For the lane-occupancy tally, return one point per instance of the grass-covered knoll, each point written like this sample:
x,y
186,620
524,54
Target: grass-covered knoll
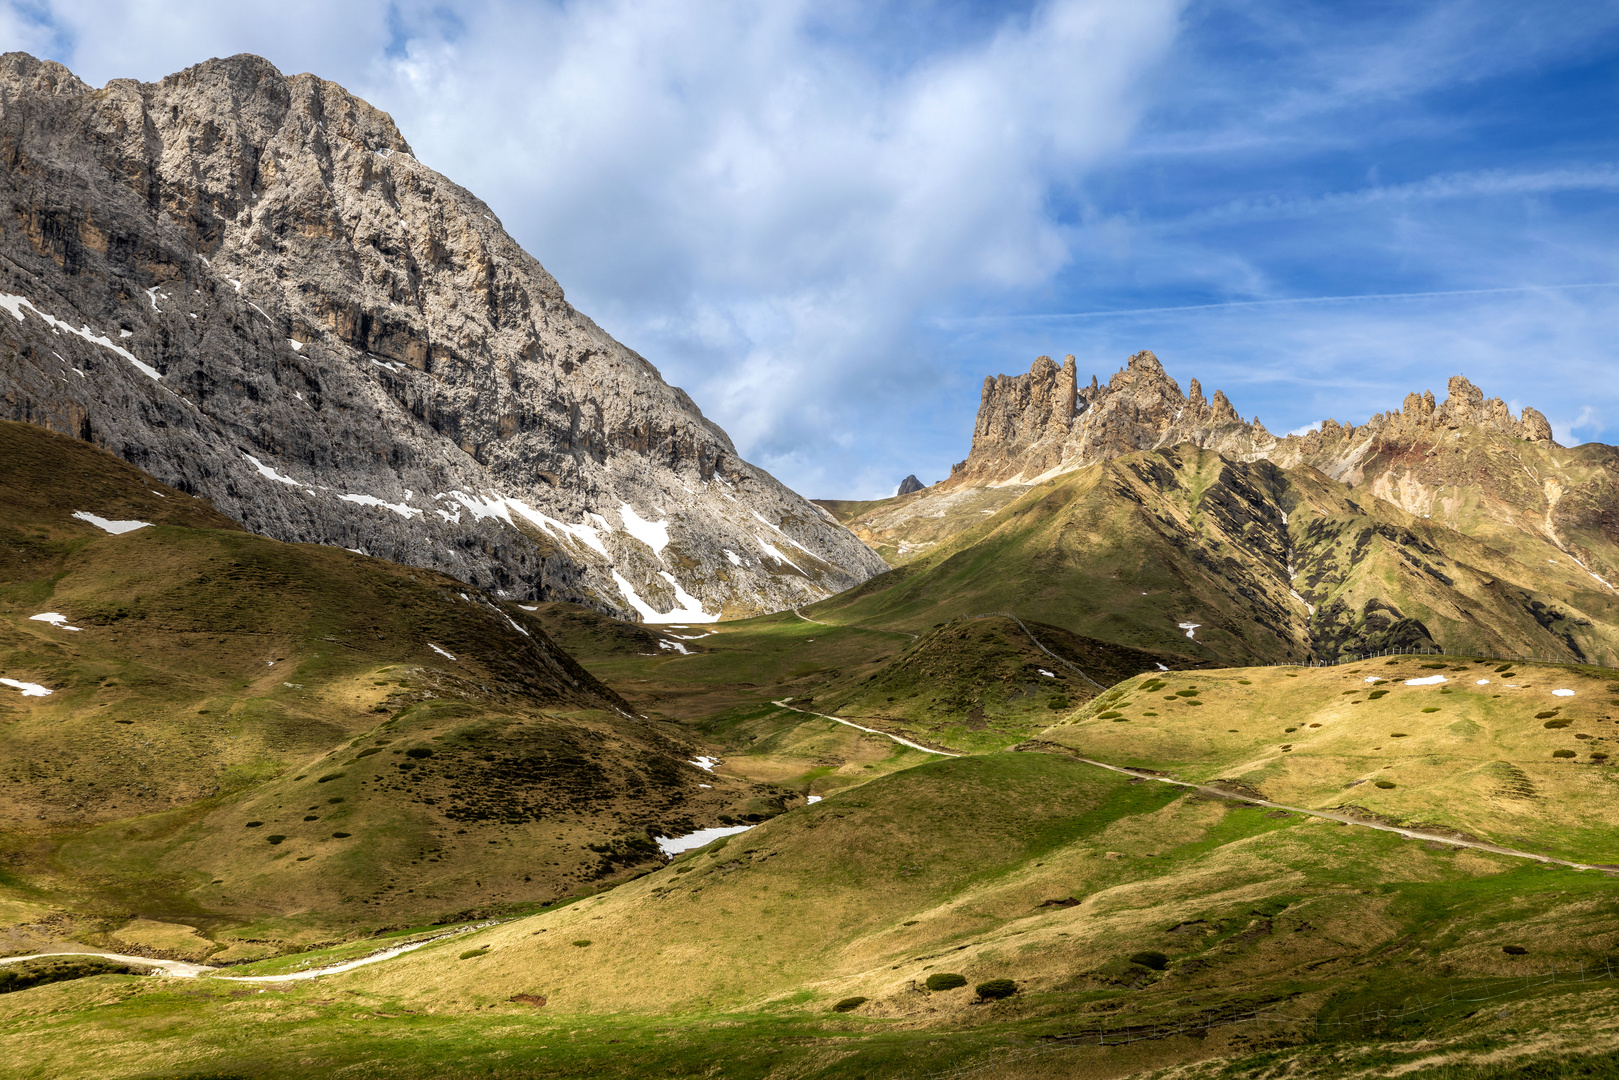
x,y
248,743
978,684
1269,564
1479,752
1108,903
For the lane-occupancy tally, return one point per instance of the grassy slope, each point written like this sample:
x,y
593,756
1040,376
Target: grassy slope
x,y
1126,550
219,678
1479,758
732,955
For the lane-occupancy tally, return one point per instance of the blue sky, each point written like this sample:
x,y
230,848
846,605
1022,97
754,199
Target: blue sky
x,y
830,221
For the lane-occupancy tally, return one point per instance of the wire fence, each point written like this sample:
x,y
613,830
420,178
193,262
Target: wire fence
x,y
1366,1019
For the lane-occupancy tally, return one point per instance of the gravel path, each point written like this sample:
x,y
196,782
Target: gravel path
x,y
886,734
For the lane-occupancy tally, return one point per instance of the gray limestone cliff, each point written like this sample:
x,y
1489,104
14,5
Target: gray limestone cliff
x,y
244,283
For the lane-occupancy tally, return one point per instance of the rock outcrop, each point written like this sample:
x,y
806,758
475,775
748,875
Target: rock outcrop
x,y
245,284
909,485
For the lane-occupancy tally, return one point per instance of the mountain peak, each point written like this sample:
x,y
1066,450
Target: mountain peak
x,y
1035,425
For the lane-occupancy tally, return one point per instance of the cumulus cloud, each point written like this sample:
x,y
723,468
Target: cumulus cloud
x,y
762,198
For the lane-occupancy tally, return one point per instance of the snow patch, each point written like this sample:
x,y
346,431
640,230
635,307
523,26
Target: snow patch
x,y
14,304
1431,680
1562,693
55,618
269,473
1190,628
736,560
691,609
654,534
117,528
675,646
674,845
1047,674
519,629
1162,667
297,346
404,511
1482,682
588,535
29,689
813,799
775,553
705,762
525,607
784,536
442,652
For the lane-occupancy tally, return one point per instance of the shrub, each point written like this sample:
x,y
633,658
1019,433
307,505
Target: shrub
x,y
1058,702
1514,950
1547,714
1504,667
340,836
277,838
1109,715
329,777
1599,756
1245,682
1187,693
1439,667
1193,701
1399,735
946,980
849,1004
1375,694
996,989
470,953
1431,708
1155,960
419,752
1385,784
254,824
1562,753
1289,730
683,869
582,943
1556,724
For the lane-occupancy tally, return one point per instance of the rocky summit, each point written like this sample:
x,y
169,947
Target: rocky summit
x,y
246,284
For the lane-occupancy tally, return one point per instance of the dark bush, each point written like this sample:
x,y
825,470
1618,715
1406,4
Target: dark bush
x,y
419,752
996,989
1554,725
1193,701
1385,783
946,980
470,953
1398,735
1109,715
1562,753
582,943
1375,694
849,1004
1514,950
1431,708
277,838
340,836
1155,960
1546,714
254,824
1599,756
328,777
1058,702
1187,693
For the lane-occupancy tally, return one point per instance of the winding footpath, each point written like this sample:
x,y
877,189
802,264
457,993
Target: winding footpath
x,y
852,626
1333,815
858,727
180,969
1222,793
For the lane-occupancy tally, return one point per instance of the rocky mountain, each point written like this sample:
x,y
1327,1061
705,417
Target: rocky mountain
x,y
908,485
246,284
1133,512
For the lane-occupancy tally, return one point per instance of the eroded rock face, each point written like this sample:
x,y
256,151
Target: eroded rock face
x,y
245,284
1031,425
908,485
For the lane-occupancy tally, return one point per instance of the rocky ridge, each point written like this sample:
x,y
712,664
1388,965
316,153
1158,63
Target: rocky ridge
x,y
246,284
1036,425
